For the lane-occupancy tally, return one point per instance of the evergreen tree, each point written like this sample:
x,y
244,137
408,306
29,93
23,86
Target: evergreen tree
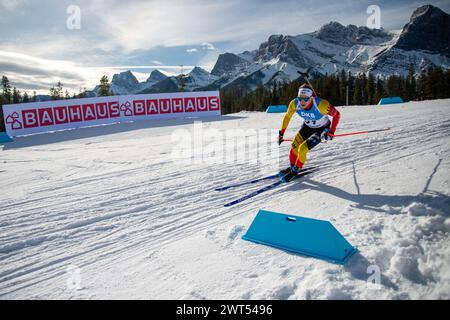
x,y
439,84
370,89
351,86
357,91
82,93
379,90
16,96
25,98
410,91
6,91
275,94
446,87
433,83
104,87
420,91
343,87
337,97
430,85
392,86
364,93
56,93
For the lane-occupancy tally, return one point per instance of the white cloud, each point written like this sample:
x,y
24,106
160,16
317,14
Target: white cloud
x,y
139,67
208,61
140,76
143,25
11,4
171,23
112,29
32,73
28,72
55,46
134,25
208,46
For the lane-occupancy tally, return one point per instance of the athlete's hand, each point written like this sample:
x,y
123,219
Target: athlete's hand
x,y
280,137
326,135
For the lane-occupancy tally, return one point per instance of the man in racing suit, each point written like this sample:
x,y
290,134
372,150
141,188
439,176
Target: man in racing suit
x,y
320,123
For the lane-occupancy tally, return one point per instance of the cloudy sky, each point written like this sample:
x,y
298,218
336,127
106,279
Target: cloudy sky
x,y
43,41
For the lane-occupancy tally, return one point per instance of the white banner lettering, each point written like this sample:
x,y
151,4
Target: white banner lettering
x,y
37,117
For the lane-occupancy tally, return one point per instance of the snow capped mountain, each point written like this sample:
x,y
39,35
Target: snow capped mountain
x,y
198,77
336,33
169,84
124,83
282,48
156,76
229,63
427,25
423,42
279,58
121,84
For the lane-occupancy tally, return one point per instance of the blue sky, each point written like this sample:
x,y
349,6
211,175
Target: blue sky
x,y
37,49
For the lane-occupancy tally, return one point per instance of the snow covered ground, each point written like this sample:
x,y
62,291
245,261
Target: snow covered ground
x,y
106,212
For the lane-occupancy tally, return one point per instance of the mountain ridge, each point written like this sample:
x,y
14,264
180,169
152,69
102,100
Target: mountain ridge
x,y
423,42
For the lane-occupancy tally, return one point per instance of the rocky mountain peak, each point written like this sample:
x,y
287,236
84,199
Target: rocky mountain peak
x,y
228,62
126,77
197,71
156,76
336,33
428,29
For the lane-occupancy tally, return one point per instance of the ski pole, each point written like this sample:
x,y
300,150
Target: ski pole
x,y
350,133
358,132
306,75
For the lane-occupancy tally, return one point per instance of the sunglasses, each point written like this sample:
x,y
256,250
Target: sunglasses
x,y
304,99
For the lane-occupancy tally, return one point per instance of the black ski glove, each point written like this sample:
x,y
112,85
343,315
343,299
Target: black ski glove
x,y
280,137
326,135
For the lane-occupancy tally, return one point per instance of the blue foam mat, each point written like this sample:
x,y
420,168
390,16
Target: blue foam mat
x,y
276,109
390,100
4,137
305,236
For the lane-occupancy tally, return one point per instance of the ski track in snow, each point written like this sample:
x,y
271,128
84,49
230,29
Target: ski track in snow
x,y
140,225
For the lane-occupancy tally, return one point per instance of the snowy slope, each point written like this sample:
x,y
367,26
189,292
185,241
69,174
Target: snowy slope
x,y
105,212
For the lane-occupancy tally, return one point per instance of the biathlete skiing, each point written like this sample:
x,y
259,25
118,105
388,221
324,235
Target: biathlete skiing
x,y
320,120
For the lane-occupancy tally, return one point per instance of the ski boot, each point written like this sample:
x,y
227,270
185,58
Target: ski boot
x,y
291,174
283,172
